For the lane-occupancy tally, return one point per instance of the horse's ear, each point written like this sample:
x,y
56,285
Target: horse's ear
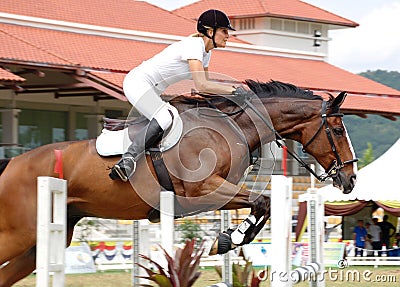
x,y
338,101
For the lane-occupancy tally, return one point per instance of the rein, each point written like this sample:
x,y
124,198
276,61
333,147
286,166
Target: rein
x,y
336,165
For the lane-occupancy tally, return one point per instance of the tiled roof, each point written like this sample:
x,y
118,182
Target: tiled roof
x,y
372,104
44,47
312,74
292,9
124,14
114,57
7,76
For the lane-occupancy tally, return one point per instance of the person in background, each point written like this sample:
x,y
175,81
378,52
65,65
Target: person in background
x,y
388,230
368,245
359,237
375,232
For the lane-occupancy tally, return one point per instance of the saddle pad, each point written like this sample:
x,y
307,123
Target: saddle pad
x,y
111,143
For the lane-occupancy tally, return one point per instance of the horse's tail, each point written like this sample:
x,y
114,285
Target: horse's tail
x,y
3,164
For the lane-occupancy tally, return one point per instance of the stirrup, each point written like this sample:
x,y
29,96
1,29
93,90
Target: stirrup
x,y
122,172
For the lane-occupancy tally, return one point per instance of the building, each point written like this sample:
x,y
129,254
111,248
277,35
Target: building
x,y
62,63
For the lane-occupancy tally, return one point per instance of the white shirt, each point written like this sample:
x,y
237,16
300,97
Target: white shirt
x,y
171,65
374,231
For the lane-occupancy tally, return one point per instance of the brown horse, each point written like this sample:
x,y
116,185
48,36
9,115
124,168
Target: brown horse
x,y
205,167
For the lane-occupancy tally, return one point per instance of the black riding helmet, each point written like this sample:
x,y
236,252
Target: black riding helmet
x,y
213,19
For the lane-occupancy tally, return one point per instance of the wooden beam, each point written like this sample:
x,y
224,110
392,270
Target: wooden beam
x,y
109,91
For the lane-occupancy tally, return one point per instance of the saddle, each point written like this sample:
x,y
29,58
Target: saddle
x,y
117,136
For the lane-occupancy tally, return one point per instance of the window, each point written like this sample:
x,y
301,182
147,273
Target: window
x,y
290,26
302,28
247,23
276,24
37,128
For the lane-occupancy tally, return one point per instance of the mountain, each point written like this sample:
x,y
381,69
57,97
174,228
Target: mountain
x,y
379,131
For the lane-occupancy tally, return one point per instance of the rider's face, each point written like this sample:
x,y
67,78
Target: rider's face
x,y
221,37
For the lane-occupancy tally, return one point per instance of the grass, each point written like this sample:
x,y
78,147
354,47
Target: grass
x,y
209,277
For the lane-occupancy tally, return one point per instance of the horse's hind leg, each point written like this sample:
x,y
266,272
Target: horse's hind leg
x,y
18,268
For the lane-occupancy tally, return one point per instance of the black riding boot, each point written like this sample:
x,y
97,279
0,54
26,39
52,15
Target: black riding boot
x,y
146,137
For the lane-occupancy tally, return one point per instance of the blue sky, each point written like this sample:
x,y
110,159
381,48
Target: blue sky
x,y
375,44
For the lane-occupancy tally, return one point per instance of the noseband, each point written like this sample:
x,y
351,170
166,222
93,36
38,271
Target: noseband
x,y
336,165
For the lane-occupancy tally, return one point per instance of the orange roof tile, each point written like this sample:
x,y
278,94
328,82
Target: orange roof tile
x,y
372,104
44,46
293,9
17,45
8,76
311,74
124,14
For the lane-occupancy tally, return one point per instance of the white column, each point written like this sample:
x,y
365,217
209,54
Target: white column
x,y
94,125
9,119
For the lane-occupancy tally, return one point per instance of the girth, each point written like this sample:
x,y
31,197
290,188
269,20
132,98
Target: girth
x,y
164,179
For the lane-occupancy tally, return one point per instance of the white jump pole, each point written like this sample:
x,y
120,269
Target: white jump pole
x,y
315,212
281,235
227,275
135,254
51,230
167,214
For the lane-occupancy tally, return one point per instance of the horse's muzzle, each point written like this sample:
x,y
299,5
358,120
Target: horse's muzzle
x,y
344,182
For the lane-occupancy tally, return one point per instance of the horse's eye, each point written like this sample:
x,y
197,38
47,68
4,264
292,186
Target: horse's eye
x,y
338,131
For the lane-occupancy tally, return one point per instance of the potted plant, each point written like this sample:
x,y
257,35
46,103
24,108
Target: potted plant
x,y
181,271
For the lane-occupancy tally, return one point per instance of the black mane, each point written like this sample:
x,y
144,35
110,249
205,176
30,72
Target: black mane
x,y
279,89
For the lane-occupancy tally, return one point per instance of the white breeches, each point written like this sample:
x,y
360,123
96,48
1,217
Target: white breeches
x,y
145,97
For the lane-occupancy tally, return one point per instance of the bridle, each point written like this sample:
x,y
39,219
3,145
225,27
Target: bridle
x,y
336,165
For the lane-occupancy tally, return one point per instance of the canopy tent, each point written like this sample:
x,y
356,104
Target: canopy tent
x,y
377,183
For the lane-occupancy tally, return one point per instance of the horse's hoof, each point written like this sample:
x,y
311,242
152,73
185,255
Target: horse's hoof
x,y
221,245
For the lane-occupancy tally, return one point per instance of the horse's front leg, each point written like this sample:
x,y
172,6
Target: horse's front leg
x,y
236,197
246,231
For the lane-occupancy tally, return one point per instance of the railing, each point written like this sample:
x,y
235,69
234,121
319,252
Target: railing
x,y
375,261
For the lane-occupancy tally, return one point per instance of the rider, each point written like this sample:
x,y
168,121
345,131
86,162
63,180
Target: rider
x,y
186,59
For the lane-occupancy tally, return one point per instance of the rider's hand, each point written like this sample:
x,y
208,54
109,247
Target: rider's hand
x,y
241,95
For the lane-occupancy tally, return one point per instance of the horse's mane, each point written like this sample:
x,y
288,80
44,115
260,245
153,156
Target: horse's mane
x,y
279,89
263,90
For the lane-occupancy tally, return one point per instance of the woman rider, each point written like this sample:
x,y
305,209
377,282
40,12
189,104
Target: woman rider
x,y
186,59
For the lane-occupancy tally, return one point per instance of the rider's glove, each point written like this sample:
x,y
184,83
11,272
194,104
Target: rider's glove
x,y
241,95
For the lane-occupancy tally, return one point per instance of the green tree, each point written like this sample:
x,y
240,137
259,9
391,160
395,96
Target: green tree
x,y
388,78
368,156
190,230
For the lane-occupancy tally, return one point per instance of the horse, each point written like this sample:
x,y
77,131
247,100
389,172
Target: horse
x,y
205,168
